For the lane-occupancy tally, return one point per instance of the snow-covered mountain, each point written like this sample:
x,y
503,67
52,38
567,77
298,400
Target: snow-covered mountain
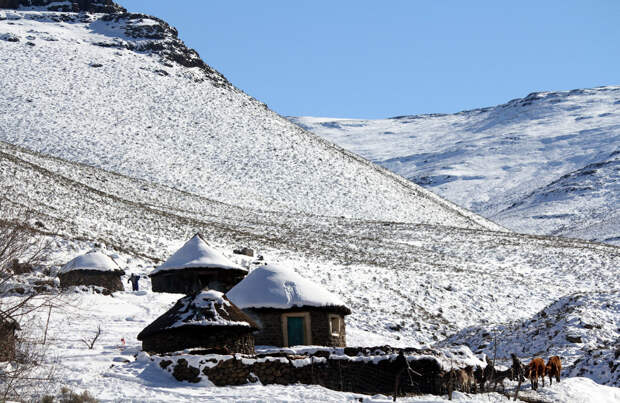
x,y
114,135
543,164
121,92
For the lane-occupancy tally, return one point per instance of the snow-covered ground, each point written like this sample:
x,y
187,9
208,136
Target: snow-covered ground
x,y
89,89
113,371
198,155
544,164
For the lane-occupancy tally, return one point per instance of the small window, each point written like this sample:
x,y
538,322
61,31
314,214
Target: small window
x,y
334,325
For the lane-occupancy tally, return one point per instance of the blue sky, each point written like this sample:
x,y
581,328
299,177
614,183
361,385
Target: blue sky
x,y
375,59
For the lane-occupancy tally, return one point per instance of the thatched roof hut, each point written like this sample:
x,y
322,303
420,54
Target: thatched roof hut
x,y
207,320
195,267
8,339
291,310
92,268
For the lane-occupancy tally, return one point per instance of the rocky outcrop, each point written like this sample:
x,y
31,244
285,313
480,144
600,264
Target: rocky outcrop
x,y
156,37
91,6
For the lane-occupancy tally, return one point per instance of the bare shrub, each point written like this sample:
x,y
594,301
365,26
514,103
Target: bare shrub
x,y
90,343
22,353
69,396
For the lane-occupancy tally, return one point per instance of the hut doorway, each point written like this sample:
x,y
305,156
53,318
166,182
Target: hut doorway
x,y
296,329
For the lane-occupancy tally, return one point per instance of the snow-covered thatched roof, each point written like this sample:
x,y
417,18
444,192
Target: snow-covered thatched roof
x,y
197,253
281,288
208,309
91,261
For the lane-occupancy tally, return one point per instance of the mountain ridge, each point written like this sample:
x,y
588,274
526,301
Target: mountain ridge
x,y
489,159
163,122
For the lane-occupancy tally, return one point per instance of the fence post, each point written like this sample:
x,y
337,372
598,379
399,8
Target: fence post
x,y
49,313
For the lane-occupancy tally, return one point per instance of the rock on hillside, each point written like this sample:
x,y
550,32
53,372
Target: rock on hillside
x,y
122,92
94,6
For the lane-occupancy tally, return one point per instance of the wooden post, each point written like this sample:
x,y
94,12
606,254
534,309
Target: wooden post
x,y
518,388
49,313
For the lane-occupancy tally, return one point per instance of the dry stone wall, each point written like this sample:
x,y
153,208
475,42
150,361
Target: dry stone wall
x,y
359,373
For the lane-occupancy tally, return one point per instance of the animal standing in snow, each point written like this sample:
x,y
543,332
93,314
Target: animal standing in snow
x,y
536,369
553,368
499,377
460,379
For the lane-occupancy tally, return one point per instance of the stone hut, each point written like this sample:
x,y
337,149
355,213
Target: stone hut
x,y
290,309
195,267
207,320
93,268
8,338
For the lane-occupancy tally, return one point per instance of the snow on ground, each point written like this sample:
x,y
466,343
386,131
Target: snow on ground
x,y
255,180
541,164
583,329
71,88
410,284
111,372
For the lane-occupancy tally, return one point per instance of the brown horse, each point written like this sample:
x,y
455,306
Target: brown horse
x,y
536,369
553,368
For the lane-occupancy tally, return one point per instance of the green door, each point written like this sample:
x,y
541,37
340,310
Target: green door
x,y
295,330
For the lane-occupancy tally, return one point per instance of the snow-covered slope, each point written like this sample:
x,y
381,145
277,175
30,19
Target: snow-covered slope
x,y
583,329
405,283
121,92
413,268
581,204
543,164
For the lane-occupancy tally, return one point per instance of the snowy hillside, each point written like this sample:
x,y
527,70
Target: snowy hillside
x,y
115,137
121,92
407,284
583,329
544,164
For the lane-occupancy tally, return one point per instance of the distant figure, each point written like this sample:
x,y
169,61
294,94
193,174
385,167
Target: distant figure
x,y
134,278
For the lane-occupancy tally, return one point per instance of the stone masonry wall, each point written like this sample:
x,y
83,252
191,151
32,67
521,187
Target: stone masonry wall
x,y
367,375
7,342
109,280
270,322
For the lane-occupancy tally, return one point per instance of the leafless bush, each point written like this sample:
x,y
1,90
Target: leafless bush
x,y
24,374
90,343
69,396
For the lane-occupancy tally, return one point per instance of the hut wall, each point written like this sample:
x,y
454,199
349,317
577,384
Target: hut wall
x,y
109,280
271,333
7,341
190,281
210,338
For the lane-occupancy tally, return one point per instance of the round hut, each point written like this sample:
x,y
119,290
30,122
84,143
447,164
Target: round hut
x,y
195,267
291,310
8,339
207,320
93,268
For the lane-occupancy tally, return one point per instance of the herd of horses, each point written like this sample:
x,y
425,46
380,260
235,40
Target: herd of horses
x,y
469,379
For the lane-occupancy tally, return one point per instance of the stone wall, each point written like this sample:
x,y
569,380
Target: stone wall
x,y
108,280
7,341
270,321
359,374
190,281
217,342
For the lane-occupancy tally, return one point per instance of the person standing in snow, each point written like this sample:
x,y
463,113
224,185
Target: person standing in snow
x,y
134,278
